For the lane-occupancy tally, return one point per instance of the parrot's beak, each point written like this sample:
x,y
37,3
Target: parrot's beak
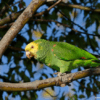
x,y
28,54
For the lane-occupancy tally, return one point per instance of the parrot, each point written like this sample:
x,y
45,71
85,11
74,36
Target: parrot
x,y
60,56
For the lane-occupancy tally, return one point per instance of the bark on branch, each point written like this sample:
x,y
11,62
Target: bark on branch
x,y
9,18
39,84
75,6
15,15
18,25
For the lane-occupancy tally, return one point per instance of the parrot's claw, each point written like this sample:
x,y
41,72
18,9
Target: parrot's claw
x,y
59,74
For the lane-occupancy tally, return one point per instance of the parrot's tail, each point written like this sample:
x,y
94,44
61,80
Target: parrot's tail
x,y
91,63
97,61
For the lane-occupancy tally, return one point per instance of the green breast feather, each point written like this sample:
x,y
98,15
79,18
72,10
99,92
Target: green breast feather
x,y
63,56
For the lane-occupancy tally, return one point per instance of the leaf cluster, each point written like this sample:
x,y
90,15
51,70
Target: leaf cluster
x,y
72,25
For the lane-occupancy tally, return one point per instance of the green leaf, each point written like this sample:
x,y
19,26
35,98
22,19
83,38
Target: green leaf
x,y
81,96
44,26
74,90
74,97
53,15
14,8
45,75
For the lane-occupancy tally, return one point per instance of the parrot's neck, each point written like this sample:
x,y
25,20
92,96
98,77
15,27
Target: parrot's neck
x,y
43,49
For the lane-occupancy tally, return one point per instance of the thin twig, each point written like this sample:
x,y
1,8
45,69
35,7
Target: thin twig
x,y
75,6
72,21
82,7
5,26
89,89
15,48
48,8
49,20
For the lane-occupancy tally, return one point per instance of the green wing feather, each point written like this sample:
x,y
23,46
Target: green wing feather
x,y
66,51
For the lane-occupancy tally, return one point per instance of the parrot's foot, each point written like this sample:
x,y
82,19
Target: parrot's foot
x,y
59,74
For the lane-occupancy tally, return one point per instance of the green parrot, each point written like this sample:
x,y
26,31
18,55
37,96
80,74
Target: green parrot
x,y
61,56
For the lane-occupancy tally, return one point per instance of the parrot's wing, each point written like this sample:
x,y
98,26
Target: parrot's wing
x,y
66,51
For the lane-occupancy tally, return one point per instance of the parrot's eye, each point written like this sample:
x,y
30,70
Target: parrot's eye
x,y
32,47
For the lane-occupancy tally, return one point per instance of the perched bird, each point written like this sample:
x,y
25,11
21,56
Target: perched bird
x,y
60,55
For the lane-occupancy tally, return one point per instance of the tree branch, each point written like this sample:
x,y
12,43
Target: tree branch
x,y
72,21
49,20
18,25
14,16
10,18
82,7
39,84
5,26
15,48
50,3
39,14
75,6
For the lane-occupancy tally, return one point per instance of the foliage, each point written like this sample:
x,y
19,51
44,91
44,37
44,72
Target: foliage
x,y
15,67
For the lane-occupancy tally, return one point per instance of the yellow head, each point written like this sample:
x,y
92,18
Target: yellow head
x,y
31,50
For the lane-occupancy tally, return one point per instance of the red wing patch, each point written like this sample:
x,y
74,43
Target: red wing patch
x,y
49,64
54,45
52,50
83,58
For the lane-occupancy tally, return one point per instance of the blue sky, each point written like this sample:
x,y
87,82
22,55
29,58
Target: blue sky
x,y
66,89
